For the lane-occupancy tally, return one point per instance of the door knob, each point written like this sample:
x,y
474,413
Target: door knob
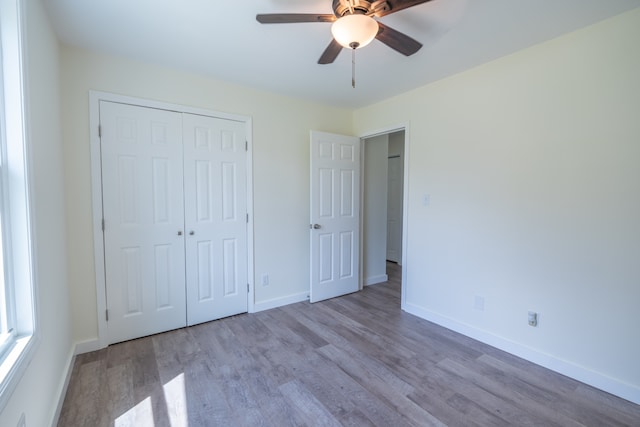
x,y
316,226
191,233
180,233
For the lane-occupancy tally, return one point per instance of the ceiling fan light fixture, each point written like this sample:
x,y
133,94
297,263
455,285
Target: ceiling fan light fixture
x,y
354,31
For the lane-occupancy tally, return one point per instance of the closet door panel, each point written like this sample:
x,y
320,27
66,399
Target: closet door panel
x,y
142,189
215,217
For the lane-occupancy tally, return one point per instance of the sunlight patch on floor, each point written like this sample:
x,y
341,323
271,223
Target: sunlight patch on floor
x,y
139,415
176,397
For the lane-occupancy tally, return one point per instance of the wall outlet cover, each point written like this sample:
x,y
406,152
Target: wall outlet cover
x,y
533,318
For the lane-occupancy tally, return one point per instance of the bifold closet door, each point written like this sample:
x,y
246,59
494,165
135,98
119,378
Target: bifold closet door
x,y
215,162
143,211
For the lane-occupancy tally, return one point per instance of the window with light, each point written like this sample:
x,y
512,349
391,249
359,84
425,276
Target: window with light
x,y
17,301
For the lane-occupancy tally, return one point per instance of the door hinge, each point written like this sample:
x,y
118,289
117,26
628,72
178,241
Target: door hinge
x,y
99,131
246,146
102,224
106,314
247,288
247,218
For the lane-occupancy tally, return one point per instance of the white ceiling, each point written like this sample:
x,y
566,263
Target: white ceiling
x,y
223,40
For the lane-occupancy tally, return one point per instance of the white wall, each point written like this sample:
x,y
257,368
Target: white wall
x,y
531,162
374,214
280,168
39,390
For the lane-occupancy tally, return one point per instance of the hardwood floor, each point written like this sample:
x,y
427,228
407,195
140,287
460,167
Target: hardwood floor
x,y
357,360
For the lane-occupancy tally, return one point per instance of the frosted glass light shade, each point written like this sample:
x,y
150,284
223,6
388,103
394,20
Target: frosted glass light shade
x,y
350,29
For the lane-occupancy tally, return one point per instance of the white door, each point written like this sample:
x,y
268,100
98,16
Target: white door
x,y
143,213
394,209
215,162
335,215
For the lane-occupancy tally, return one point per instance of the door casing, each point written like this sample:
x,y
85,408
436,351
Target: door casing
x,y
96,198
405,199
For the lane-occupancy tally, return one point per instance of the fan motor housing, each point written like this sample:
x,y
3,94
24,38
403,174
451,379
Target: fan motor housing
x,y
365,7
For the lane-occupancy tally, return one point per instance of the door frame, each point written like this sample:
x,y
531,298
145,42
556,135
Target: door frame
x,y
405,201
96,194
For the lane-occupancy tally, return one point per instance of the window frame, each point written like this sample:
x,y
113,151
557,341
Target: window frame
x,y
7,318
15,203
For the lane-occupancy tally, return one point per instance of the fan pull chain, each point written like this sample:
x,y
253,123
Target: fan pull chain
x,y
354,46
353,68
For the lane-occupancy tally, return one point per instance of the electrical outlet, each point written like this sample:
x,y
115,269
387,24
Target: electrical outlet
x,y
533,318
265,280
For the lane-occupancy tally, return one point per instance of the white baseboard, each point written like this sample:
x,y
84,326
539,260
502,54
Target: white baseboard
x,y
77,348
618,388
62,390
87,346
279,302
375,280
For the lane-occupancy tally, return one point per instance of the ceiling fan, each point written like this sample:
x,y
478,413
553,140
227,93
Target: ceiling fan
x,y
353,25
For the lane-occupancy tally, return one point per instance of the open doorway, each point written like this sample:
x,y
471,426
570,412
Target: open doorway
x,y
382,207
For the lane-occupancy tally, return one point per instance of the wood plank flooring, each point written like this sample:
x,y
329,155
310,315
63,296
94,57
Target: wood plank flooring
x,y
357,360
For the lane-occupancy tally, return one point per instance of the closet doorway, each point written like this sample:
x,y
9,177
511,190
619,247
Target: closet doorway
x,y
174,228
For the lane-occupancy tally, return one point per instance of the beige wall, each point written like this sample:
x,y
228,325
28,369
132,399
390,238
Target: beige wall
x,y
40,387
532,165
280,167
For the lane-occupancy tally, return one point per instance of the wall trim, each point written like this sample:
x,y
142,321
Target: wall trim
x,y
580,373
62,391
279,302
87,346
374,280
